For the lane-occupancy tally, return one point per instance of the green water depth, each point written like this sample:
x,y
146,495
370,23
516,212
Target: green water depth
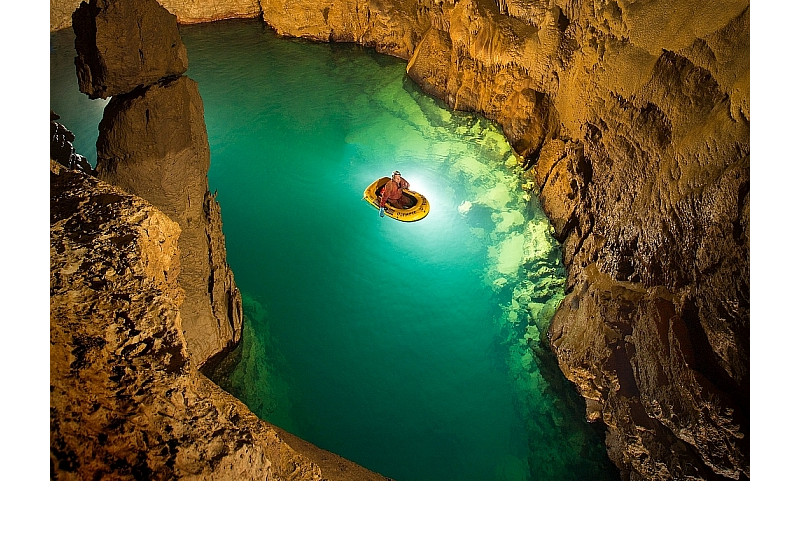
x,y
414,349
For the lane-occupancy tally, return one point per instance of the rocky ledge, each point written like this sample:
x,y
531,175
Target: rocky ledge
x,y
634,118
635,121
125,402
141,292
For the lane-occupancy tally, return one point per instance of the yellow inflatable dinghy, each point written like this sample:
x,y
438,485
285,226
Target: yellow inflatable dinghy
x,y
413,213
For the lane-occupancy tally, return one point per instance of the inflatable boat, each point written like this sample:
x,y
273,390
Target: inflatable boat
x,y
413,213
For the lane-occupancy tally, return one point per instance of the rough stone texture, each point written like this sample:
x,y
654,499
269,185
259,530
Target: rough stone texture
x,y
61,148
663,185
635,116
154,144
187,11
393,27
638,357
124,401
61,13
636,119
124,44
198,11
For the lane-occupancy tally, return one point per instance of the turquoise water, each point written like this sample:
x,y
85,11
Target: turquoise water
x,y
78,113
411,348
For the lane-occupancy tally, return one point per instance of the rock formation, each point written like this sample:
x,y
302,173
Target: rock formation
x,y
187,11
61,148
153,143
141,295
635,120
115,57
124,401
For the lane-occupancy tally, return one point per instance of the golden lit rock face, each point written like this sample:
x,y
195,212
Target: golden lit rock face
x,y
635,119
187,11
124,401
114,56
197,11
394,27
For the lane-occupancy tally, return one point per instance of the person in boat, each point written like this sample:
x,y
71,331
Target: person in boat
x,y
392,192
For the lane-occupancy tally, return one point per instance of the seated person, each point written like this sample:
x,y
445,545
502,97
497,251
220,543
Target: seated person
x,y
392,192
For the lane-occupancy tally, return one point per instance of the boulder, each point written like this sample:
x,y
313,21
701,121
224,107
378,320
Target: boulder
x,y
125,44
154,143
125,403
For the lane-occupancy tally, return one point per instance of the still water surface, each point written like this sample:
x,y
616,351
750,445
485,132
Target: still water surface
x,y
401,346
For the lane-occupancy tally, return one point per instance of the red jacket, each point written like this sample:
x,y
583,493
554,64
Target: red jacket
x,y
393,190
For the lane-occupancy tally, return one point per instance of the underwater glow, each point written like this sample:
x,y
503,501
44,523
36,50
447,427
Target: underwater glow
x,y
415,349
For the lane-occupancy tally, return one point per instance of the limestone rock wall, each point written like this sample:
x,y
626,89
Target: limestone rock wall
x,y
635,119
649,177
155,145
153,142
634,116
198,11
125,402
186,11
61,13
